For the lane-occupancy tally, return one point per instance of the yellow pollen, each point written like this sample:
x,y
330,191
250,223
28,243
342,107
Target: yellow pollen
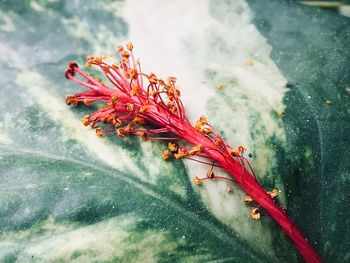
x,y
218,141
113,100
120,48
133,73
280,114
86,120
93,60
171,79
120,132
135,89
206,131
166,154
198,125
152,78
130,106
241,149
181,153
143,135
128,128
250,62
88,102
197,180
247,199
139,120
71,99
196,149
125,54
99,132
220,85
172,147
254,213
115,67
153,93
117,122
273,193
145,108
129,46
210,174
105,68
233,152
203,120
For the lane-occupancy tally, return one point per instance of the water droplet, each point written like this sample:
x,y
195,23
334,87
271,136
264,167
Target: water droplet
x,y
183,236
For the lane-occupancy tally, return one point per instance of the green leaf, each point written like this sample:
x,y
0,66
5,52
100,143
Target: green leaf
x,y
69,196
315,60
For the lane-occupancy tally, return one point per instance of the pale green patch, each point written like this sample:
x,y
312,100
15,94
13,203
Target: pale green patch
x,y
308,156
36,6
6,23
4,138
345,11
105,40
111,239
153,160
77,28
178,189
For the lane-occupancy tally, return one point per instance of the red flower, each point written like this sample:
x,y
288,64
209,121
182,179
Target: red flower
x,y
137,98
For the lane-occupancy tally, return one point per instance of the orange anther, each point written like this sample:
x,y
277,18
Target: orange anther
x,y
172,147
166,154
255,214
86,120
120,132
197,180
139,120
210,174
99,132
129,46
196,149
273,193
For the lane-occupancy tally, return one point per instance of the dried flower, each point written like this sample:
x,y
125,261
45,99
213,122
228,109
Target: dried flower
x,y
136,98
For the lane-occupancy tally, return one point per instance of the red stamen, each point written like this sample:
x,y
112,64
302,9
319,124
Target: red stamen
x,y
164,109
218,178
199,161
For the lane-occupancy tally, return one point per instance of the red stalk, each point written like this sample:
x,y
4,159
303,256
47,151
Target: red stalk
x,y
158,103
